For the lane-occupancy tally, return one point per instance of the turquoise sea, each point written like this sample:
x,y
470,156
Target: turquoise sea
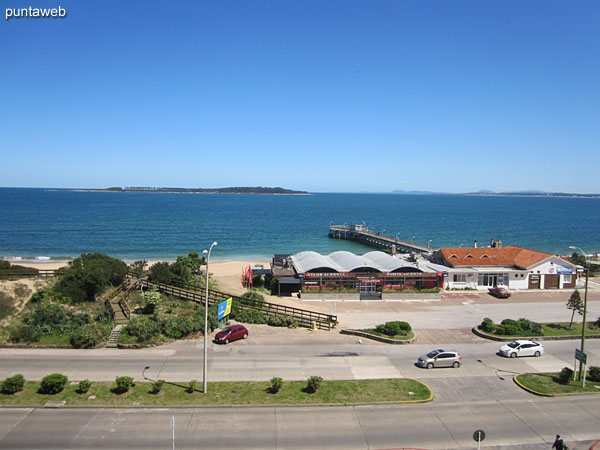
x,y
46,222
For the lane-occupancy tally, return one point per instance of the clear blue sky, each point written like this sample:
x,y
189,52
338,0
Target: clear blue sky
x,y
324,96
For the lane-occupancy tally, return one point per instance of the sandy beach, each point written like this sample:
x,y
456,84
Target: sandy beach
x,y
228,274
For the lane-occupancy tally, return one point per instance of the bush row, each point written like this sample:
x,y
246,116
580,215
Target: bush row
x,y
55,383
510,327
394,328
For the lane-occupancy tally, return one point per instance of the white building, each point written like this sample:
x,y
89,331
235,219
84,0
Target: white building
x,y
512,267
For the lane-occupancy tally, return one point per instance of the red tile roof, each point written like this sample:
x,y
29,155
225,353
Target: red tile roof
x,y
506,256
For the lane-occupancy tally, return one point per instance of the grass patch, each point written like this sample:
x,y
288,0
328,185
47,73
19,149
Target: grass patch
x,y
55,339
229,393
398,337
555,329
547,383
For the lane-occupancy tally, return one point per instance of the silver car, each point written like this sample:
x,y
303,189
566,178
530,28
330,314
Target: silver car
x,y
522,348
440,358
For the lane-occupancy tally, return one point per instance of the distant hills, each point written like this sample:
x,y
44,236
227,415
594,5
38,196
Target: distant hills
x,y
226,190
487,192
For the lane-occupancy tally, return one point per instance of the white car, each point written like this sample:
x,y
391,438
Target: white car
x,y
522,348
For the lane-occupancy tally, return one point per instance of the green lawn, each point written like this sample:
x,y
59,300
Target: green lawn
x,y
557,329
230,393
398,337
546,383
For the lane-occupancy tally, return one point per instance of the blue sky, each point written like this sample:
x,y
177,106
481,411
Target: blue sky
x,y
324,96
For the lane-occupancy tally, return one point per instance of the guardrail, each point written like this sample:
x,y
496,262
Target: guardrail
x,y
304,317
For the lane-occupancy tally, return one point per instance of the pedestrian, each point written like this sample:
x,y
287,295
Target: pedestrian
x,y
558,443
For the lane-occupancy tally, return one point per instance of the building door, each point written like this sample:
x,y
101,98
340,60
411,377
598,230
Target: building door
x,y
534,281
551,281
368,289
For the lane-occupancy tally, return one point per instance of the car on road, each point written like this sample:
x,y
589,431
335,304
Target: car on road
x,y
522,348
499,292
440,358
231,333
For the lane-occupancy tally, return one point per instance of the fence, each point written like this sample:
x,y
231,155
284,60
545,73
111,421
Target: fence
x,y
193,293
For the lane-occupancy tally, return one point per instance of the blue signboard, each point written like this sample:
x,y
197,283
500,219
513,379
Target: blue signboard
x,y
224,308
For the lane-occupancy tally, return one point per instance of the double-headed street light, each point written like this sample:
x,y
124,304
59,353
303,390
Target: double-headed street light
x,y
206,320
587,279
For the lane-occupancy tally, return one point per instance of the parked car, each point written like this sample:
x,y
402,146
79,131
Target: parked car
x,y
231,333
522,348
499,292
440,358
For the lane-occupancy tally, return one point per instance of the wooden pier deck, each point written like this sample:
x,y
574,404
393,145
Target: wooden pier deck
x,y
362,234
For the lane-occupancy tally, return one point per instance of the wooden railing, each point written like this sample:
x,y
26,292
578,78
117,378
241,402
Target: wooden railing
x,y
19,274
196,294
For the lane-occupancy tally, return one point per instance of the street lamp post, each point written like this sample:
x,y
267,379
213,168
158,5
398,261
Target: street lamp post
x,y
206,320
587,279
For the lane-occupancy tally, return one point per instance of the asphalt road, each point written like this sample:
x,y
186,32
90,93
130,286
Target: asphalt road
x,y
478,395
529,423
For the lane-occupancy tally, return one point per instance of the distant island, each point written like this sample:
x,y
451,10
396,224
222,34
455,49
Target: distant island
x,y
227,190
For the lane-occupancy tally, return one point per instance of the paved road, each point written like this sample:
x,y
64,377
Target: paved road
x,y
479,395
529,423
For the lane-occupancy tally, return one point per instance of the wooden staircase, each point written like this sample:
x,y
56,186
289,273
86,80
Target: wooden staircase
x,y
117,304
114,336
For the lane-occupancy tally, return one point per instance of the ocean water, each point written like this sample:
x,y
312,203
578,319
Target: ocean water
x,y
44,222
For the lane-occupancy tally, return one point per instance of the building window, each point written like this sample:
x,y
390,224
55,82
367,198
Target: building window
x,y
492,279
460,278
567,279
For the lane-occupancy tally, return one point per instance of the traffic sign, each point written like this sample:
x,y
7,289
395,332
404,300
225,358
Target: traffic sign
x,y
479,435
580,356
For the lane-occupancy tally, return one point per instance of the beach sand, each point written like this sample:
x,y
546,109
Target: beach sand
x,y
227,274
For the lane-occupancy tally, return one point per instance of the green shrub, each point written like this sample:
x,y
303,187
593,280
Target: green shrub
x,y
282,321
191,387
254,296
160,273
13,384
143,328
313,384
87,336
178,327
49,295
276,384
247,315
488,325
89,275
21,332
50,318
122,385
565,375
157,386
394,328
594,373
6,305
84,386
53,383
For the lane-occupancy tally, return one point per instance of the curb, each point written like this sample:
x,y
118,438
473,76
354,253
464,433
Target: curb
x,y
377,338
491,337
542,394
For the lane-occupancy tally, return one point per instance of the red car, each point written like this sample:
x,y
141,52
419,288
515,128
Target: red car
x,y
499,291
231,333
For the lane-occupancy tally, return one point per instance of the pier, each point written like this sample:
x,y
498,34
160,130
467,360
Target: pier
x,y
362,234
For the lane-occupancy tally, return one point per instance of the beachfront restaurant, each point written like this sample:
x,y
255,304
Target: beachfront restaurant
x,y
344,272
512,267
